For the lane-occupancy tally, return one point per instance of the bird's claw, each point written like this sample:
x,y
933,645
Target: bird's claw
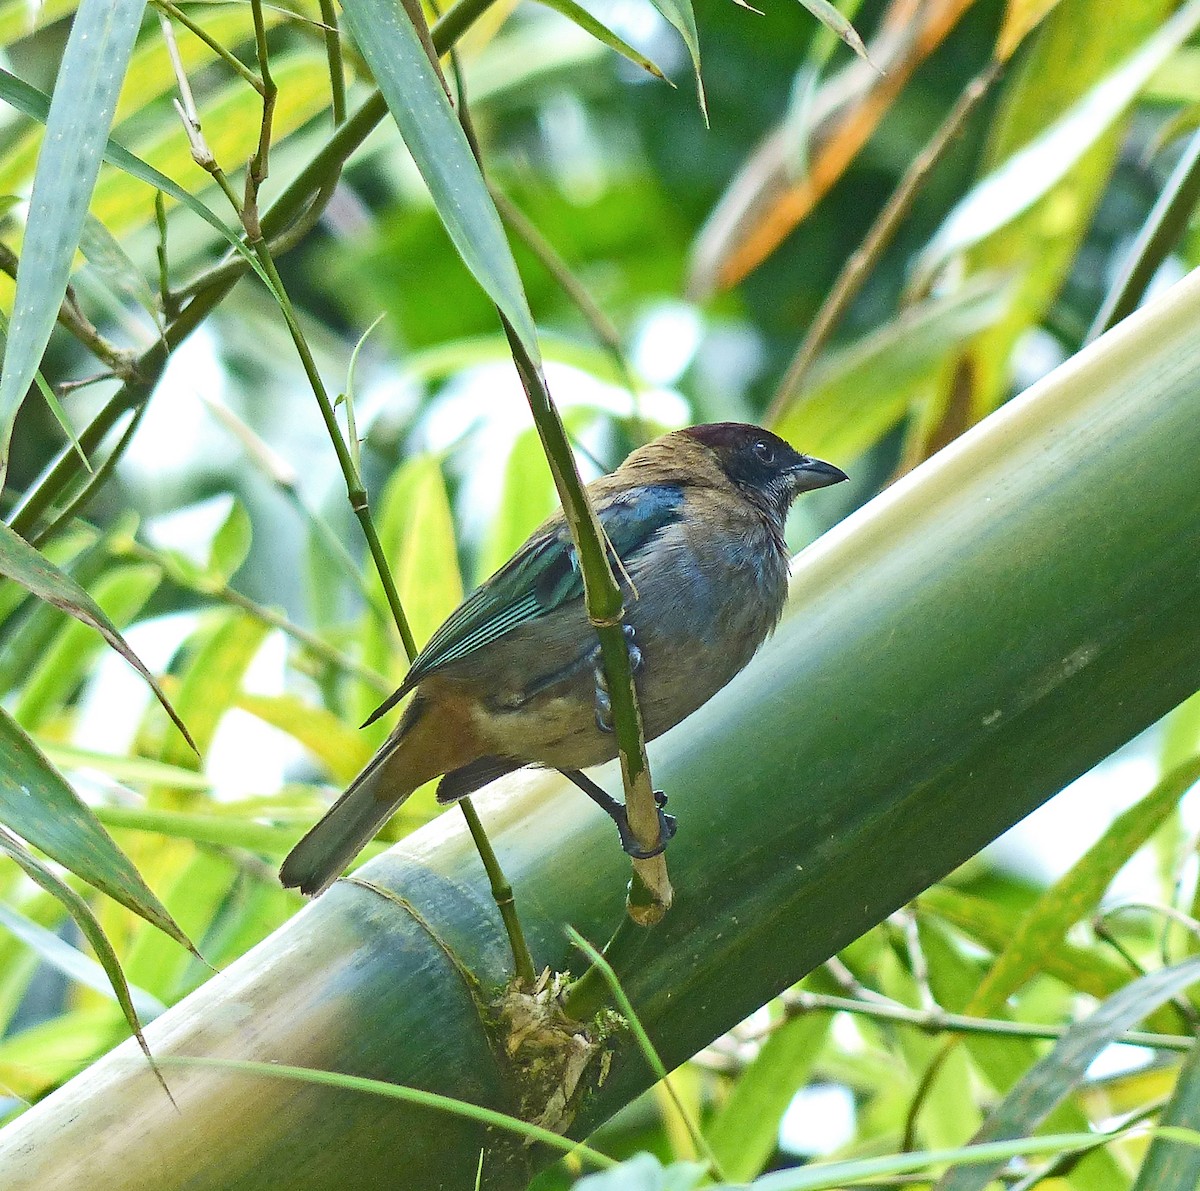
x,y
603,711
667,827
603,699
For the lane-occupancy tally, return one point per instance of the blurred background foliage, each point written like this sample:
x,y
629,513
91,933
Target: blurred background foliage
x,y
222,544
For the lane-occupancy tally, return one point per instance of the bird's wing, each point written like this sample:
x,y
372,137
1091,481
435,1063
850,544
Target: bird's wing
x,y
541,577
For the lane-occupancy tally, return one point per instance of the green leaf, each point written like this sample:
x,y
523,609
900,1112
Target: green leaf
x,y
1181,739
829,16
341,749
679,13
72,962
831,1175
36,104
111,262
1089,970
225,831
71,653
417,533
52,401
745,1132
1170,1165
20,562
858,393
214,679
39,806
1061,1071
416,96
140,770
1036,169
588,23
231,544
526,500
85,95
81,912
1079,890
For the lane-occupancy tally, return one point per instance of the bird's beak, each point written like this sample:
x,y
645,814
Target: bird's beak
x,y
809,473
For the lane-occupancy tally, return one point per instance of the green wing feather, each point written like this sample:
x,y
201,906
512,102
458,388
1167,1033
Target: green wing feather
x,y
540,578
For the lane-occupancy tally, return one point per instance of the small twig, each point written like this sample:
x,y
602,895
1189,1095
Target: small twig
x,y
1104,933
864,258
122,364
1169,912
295,203
167,9
167,299
907,921
502,894
259,166
337,70
923,1091
647,1048
938,1021
851,985
220,590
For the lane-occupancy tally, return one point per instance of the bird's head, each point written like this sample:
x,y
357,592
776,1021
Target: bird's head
x,y
765,468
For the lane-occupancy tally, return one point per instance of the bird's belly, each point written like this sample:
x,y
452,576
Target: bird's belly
x,y
544,710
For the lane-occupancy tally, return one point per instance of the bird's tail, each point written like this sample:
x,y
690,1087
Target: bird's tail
x,y
409,758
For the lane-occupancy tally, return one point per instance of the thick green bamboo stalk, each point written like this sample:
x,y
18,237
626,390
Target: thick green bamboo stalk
x,y
989,628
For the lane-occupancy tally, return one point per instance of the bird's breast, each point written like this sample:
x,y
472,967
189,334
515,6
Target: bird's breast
x,y
699,607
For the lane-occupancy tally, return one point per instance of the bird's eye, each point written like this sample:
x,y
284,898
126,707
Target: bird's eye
x,y
763,451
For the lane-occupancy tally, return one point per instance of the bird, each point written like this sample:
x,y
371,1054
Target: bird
x,y
694,522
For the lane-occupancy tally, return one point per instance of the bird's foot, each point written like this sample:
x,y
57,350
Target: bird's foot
x,y
603,700
667,826
618,813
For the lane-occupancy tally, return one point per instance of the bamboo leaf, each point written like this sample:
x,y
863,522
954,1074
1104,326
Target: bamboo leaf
x,y
602,33
140,770
1079,890
81,912
1089,970
341,749
860,391
679,13
112,263
42,809
526,500
20,562
1033,171
1060,1072
214,678
745,1131
85,95
230,544
416,97
827,1176
1170,1165
36,104
1020,18
829,16
72,962
56,672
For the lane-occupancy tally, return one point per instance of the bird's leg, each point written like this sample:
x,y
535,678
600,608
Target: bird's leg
x,y
603,701
617,812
